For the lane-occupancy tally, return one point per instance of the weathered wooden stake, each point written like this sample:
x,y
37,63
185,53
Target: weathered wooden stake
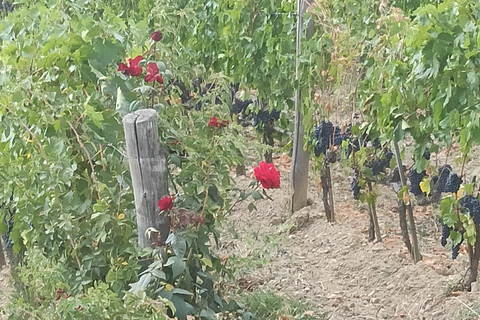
x,y
300,158
330,194
148,167
373,214
3,261
411,221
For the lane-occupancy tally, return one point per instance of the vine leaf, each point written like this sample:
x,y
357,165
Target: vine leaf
x,y
425,186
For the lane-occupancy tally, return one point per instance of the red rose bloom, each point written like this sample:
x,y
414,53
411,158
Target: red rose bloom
x,y
166,203
217,123
133,68
152,73
157,36
268,176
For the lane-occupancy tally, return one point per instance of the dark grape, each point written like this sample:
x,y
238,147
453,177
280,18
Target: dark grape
x,y
453,183
445,234
443,173
239,106
265,117
339,138
415,178
426,154
324,130
379,165
322,134
473,205
320,147
353,146
355,188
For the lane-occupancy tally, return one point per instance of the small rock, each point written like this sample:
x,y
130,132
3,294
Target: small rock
x,y
334,296
378,247
443,271
275,221
474,287
375,300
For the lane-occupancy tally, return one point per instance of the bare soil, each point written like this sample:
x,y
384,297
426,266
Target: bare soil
x,y
334,267
5,290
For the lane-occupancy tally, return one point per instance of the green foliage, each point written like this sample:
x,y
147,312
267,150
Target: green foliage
x,y
59,132
51,298
62,157
268,305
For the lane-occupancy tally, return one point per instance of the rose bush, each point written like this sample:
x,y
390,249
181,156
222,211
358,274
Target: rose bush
x,y
133,69
217,123
166,203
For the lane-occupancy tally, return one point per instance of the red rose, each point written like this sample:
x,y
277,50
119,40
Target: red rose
x,y
152,73
217,123
268,176
133,68
166,203
157,36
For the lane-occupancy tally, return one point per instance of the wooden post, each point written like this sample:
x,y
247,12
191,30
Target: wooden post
x,y
148,168
411,221
300,158
3,261
373,212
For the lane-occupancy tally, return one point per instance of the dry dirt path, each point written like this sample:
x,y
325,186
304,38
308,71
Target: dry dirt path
x,y
5,290
334,267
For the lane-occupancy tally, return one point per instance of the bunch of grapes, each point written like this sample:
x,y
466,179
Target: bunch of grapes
x,y
415,179
453,183
6,235
353,146
445,234
473,205
443,173
339,137
443,241
265,117
426,154
240,106
379,165
456,250
322,134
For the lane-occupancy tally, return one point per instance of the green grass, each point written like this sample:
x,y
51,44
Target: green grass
x,y
469,312
270,306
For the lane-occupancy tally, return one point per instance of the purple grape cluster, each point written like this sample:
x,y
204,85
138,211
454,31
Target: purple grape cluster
x,y
415,178
353,146
322,134
265,117
473,205
443,173
445,234
426,154
456,250
379,165
355,188
453,183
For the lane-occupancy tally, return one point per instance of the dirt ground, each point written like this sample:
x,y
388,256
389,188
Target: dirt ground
x,y
335,268
5,290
